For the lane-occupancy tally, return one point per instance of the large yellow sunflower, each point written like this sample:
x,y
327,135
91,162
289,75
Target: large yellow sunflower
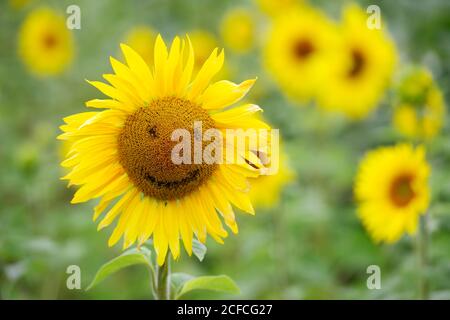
x,y
122,154
296,49
420,109
356,77
392,190
45,43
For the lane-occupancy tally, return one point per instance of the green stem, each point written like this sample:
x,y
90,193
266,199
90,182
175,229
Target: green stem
x,y
162,283
423,258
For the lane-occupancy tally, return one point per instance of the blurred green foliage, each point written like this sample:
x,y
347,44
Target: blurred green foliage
x,y
311,246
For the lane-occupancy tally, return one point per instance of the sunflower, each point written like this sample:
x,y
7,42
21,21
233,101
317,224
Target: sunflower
x,y
122,154
266,190
238,30
142,39
45,43
392,190
361,68
420,110
297,46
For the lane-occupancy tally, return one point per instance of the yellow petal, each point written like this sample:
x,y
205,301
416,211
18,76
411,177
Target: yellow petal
x,y
125,73
224,93
151,218
112,92
104,202
172,63
116,209
97,184
160,242
160,65
239,199
185,77
240,117
186,233
171,226
210,213
138,66
125,88
236,180
190,207
108,104
76,120
133,225
211,67
127,213
71,161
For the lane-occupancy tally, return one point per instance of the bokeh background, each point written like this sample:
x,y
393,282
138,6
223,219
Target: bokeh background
x,y
309,245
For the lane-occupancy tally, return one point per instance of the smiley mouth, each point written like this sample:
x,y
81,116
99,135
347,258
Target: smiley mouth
x,y
161,184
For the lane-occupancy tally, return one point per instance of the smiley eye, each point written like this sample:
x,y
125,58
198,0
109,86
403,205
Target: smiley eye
x,y
152,132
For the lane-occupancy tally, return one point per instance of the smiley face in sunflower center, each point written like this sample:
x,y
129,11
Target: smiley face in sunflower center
x,y
145,148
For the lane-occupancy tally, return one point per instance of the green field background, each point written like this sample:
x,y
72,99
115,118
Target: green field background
x,y
310,246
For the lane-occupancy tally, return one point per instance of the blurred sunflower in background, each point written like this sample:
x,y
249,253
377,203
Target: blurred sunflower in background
x,y
420,109
238,30
392,191
357,75
124,153
142,39
296,48
46,46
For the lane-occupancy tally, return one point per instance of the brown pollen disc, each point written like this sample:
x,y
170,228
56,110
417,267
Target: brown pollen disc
x,y
49,40
358,63
302,49
145,148
401,191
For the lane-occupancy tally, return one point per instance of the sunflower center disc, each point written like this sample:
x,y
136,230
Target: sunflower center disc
x,y
49,41
358,64
401,190
302,49
145,148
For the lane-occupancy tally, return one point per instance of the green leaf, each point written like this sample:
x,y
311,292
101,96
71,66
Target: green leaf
x,y
128,258
199,249
220,283
179,278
